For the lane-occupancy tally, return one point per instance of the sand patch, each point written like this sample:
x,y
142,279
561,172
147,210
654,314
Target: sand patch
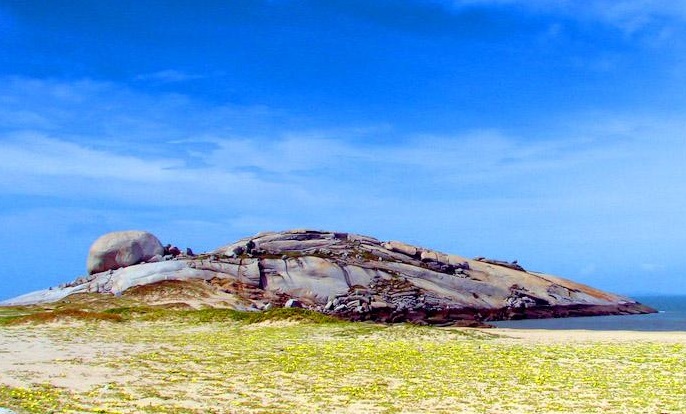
x,y
37,356
558,336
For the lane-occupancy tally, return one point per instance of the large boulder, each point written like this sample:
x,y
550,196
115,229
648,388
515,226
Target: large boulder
x,y
122,248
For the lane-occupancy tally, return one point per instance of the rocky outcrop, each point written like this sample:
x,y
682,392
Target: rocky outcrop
x,y
360,278
123,248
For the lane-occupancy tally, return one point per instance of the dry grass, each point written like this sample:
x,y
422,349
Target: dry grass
x,y
63,315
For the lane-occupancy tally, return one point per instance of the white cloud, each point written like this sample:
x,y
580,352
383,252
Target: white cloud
x,y
651,267
172,128
593,188
632,15
168,76
599,159
35,154
111,115
33,164
290,153
627,15
589,186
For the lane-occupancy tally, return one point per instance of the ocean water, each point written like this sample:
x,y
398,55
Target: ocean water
x,y
671,317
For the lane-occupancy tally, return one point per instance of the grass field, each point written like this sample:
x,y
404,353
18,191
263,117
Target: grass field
x,y
215,361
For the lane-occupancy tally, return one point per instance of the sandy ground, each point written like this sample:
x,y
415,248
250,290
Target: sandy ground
x,y
38,355
575,336
28,357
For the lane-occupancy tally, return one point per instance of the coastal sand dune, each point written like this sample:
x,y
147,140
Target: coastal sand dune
x,y
162,366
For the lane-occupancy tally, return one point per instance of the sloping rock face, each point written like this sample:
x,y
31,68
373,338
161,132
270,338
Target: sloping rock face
x,y
362,278
123,248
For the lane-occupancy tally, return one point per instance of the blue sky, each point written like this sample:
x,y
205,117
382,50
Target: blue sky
x,y
548,132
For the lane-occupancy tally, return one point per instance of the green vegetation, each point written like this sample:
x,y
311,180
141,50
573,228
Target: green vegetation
x,y
76,307
8,314
37,399
62,314
207,315
89,307
290,360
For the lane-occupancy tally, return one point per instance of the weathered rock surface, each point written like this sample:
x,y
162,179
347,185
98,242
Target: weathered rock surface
x,y
355,277
123,248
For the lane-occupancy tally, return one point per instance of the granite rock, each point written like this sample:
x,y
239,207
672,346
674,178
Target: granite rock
x,y
123,248
347,275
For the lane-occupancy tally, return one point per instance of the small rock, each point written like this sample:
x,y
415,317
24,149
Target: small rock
x,y
293,303
156,258
249,246
268,306
359,298
406,293
400,247
429,256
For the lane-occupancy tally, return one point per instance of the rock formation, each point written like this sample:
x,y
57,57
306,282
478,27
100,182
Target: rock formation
x,y
122,248
355,277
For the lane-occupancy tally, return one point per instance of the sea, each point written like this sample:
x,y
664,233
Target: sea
x,y
671,316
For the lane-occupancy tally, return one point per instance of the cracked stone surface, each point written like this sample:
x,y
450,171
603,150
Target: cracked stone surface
x,y
360,278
